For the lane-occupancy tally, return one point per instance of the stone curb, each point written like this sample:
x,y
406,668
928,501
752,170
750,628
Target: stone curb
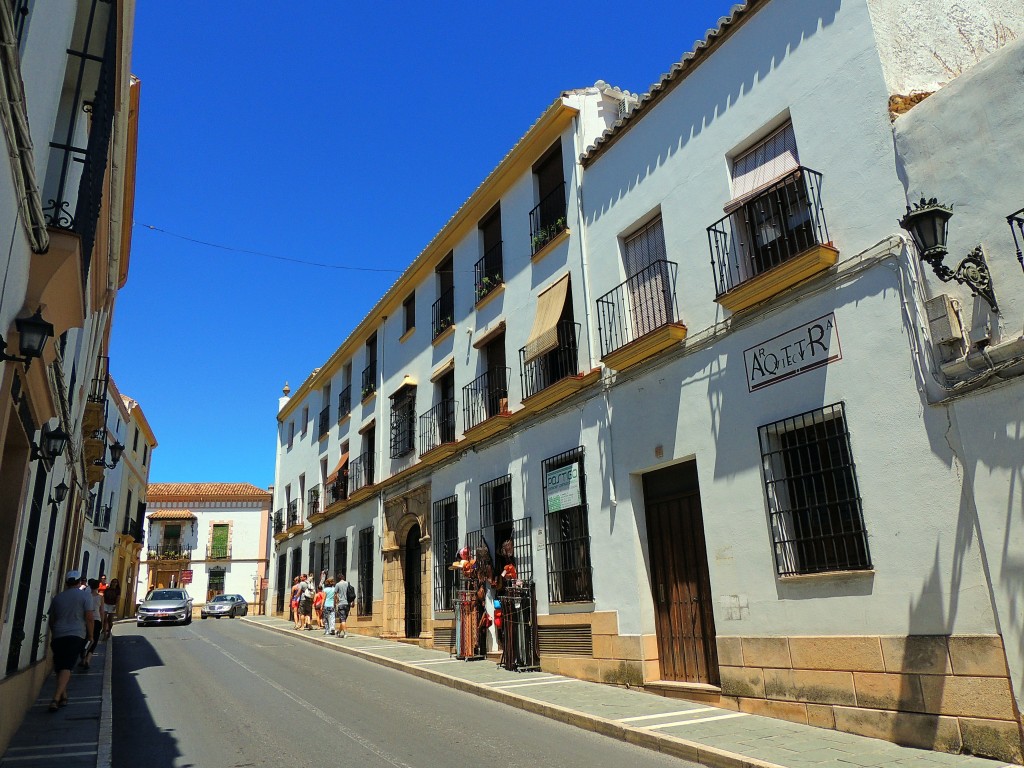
x,y
670,745
105,741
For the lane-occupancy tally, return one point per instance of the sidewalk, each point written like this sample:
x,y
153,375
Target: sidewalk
x,y
76,736
708,735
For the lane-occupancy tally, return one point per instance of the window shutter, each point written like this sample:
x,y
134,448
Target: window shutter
x,y
763,164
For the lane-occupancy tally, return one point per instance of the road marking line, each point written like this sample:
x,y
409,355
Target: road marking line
x,y
539,682
691,722
666,714
337,724
26,758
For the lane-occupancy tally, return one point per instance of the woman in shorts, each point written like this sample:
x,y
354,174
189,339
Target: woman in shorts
x,y
111,596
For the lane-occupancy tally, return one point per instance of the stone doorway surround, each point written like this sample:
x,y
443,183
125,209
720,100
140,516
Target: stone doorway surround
x,y
401,512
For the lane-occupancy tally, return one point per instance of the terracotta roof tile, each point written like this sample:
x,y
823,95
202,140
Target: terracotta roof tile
x,y
209,491
171,514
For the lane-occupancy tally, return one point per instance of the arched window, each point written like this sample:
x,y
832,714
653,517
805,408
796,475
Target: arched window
x,y
85,565
103,569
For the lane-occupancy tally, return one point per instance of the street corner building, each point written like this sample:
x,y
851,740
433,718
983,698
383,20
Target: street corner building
x,y
69,488
208,538
714,390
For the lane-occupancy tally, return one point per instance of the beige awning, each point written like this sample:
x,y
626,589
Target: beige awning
x,y
544,335
341,465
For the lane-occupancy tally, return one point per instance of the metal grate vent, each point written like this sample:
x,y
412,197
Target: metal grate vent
x,y
444,637
567,640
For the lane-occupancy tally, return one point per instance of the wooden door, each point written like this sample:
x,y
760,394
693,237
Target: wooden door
x,y
680,583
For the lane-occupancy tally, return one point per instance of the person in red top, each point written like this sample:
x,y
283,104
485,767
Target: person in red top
x,y
318,607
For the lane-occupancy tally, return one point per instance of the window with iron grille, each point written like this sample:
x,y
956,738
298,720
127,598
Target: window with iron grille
x,y
365,596
403,421
446,549
219,537
216,584
282,581
570,577
325,556
311,571
814,504
341,557
511,538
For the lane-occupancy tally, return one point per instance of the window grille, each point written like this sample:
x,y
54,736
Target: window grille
x,y
296,562
219,548
814,504
312,570
341,557
216,585
446,550
282,581
365,596
570,575
325,556
403,422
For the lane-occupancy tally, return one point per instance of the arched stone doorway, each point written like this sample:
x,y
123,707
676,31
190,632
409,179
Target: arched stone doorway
x,y
413,583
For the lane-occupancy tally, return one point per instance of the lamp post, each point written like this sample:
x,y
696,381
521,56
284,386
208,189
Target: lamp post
x,y
51,445
928,225
33,333
115,456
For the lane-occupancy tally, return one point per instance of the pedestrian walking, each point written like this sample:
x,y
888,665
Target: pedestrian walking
x,y
330,606
97,623
318,607
306,593
346,596
111,596
295,602
71,627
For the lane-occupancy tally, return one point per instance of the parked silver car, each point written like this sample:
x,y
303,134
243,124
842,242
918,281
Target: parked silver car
x,y
165,606
225,605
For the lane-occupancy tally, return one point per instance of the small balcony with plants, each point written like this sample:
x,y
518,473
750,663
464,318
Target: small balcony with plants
x,y
279,524
438,430
313,507
548,222
170,550
442,313
337,489
488,275
344,403
294,521
369,381
485,402
640,317
771,240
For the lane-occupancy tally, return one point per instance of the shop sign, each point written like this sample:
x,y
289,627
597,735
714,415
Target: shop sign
x,y
186,577
563,487
796,351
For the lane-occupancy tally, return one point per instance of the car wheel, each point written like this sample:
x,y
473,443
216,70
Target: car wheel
x,y
218,618
202,616
140,624
232,614
188,620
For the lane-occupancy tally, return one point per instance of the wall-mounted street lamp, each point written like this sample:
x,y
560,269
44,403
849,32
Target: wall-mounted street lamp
x,y
60,492
51,445
115,456
33,333
928,224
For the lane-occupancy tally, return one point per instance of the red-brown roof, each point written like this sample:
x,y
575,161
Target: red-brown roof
x,y
171,514
205,492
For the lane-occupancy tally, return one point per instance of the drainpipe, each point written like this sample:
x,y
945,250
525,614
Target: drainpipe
x,y
582,241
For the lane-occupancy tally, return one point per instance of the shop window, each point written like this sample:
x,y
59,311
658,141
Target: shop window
x,y
216,583
814,504
446,549
570,577
364,596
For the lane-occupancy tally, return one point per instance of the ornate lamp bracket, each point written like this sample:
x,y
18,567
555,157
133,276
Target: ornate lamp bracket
x,y
972,271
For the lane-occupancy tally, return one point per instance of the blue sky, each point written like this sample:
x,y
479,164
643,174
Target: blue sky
x,y
340,133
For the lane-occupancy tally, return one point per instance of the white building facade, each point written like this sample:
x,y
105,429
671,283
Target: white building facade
x,y
210,538
748,451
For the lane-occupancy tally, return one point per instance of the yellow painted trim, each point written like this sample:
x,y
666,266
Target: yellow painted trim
x,y
368,398
407,335
443,335
489,426
645,347
495,291
559,391
551,244
777,279
345,418
439,453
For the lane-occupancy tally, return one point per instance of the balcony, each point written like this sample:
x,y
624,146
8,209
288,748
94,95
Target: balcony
x,y
1016,222
360,473
442,312
338,490
220,552
438,428
771,242
294,521
560,362
133,528
279,522
171,550
369,380
102,520
547,219
325,422
344,403
640,317
313,501
485,398
488,274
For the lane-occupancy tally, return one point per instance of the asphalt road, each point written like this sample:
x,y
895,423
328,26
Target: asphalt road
x,y
224,694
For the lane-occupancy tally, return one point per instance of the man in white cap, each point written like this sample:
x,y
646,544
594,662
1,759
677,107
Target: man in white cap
x,y
71,627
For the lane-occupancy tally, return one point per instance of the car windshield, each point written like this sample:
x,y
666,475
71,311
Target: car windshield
x,y
166,594
222,599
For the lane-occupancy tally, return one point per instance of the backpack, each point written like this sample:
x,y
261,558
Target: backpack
x,y
308,592
350,594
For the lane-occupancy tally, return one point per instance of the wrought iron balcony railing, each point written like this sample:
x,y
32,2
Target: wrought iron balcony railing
x,y
170,551
313,501
559,363
547,219
488,273
485,396
337,490
643,303
437,426
133,528
777,224
293,513
369,379
87,118
1016,222
98,388
220,552
102,520
344,403
360,472
442,312
325,421
279,521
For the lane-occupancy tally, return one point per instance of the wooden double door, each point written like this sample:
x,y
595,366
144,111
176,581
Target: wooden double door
x,y
680,583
